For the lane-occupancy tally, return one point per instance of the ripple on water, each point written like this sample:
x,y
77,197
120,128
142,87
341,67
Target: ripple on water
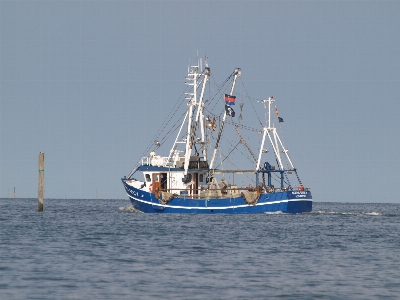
x,y
103,249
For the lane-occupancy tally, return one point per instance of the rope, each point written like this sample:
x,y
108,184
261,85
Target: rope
x,y
298,178
161,129
220,87
248,97
227,156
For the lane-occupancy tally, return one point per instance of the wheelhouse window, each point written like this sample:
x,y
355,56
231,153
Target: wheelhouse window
x,y
201,178
147,176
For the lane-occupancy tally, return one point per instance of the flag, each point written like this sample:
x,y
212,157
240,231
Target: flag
x,y
229,111
280,119
230,100
276,111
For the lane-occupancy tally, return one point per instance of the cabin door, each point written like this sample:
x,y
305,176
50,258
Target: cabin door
x,y
156,184
193,187
164,181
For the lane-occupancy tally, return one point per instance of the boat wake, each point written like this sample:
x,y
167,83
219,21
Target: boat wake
x,y
129,209
275,213
374,213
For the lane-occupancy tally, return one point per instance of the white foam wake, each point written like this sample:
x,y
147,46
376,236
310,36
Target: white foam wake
x,y
274,213
346,213
129,209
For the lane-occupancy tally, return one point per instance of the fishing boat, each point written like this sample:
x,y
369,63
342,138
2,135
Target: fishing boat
x,y
211,166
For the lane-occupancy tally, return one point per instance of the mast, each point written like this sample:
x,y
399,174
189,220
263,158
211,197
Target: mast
x,y
199,113
192,97
237,73
189,139
265,129
193,80
273,138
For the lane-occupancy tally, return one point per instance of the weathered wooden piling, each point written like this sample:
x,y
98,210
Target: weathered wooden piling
x,y
41,182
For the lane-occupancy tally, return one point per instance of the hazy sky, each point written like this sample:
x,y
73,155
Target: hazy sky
x,y
89,82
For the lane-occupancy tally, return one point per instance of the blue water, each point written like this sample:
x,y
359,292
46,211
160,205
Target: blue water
x,y
101,249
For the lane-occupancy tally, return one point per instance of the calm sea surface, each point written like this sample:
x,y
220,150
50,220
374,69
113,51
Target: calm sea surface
x,y
101,249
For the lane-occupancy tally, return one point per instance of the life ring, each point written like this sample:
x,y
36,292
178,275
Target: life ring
x,y
301,188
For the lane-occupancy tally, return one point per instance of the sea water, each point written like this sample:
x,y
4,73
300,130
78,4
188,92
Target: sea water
x,y
103,249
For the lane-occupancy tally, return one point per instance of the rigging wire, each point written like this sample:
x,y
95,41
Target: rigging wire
x,y
243,126
248,97
226,156
219,88
245,174
164,125
172,130
170,114
231,122
178,122
288,166
161,128
245,155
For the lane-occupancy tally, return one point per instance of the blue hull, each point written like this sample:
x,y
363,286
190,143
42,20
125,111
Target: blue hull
x,y
287,202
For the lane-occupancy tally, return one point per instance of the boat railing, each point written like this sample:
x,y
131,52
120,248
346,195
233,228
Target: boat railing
x,y
156,161
220,193
224,192
145,161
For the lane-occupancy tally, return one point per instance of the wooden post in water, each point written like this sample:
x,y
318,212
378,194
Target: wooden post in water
x,y
41,182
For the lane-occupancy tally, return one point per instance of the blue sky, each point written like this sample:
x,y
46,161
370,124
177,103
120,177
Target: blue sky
x,y
89,82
